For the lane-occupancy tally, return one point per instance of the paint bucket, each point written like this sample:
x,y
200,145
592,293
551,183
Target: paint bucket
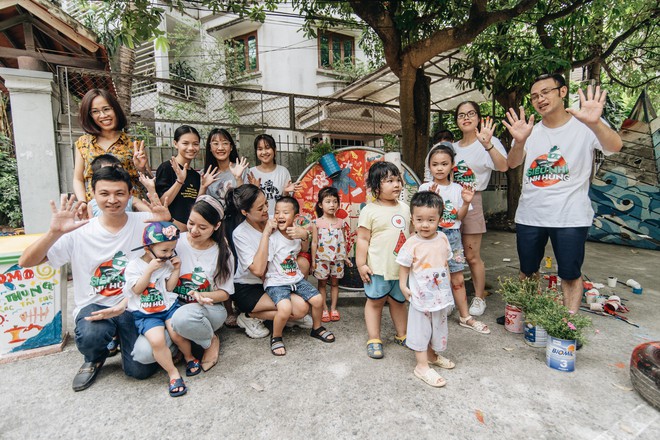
x,y
560,354
514,319
330,165
535,335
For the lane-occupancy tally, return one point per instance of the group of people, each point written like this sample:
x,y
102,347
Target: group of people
x,y
228,238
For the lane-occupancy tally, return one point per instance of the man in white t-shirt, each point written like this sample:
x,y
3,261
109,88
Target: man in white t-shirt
x,y
98,250
558,157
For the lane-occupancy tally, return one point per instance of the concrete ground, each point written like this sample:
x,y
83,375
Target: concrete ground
x,y
500,388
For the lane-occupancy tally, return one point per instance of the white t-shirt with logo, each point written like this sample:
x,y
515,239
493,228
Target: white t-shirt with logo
x,y
473,164
283,268
429,274
272,184
198,270
155,298
246,242
452,199
98,259
556,173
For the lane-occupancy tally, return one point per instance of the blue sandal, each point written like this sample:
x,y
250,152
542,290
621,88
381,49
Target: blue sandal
x,y
177,384
375,349
192,365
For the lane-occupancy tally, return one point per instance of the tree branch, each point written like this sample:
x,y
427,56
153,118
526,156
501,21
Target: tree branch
x,y
547,18
630,86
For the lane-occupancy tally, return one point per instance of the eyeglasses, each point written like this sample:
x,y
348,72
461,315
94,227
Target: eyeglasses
x,y
163,259
105,110
535,96
471,114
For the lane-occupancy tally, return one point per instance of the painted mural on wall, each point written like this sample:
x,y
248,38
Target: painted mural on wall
x,y
354,163
625,191
30,310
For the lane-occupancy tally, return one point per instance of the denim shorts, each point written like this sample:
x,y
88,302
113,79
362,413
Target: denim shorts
x,y
379,288
567,245
302,288
457,262
146,321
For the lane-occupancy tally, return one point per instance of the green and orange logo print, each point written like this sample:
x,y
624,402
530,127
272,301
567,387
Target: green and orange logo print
x,y
108,278
548,169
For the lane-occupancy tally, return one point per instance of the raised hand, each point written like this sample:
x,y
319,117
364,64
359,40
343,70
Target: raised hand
x,y
176,263
467,193
64,218
154,265
485,134
238,168
517,126
291,188
148,182
210,176
591,106
181,173
271,226
159,210
140,159
297,232
253,180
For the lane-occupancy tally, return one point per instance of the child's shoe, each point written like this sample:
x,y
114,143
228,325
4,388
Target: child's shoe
x,y
334,315
325,317
113,346
375,349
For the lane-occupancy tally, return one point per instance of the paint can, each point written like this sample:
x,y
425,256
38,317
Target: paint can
x,y
330,165
591,296
560,354
535,335
514,319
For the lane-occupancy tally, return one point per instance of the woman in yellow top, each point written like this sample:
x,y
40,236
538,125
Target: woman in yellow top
x,y
104,121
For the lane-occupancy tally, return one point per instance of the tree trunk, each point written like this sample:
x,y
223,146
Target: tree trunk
x,y
415,108
124,81
513,176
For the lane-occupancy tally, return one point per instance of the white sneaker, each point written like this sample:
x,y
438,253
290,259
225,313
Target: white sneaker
x,y
306,322
254,327
477,307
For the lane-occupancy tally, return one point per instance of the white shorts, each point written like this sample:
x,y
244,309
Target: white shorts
x,y
426,328
325,269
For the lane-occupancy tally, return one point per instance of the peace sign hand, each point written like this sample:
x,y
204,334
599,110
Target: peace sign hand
x,y
591,106
140,159
486,133
517,126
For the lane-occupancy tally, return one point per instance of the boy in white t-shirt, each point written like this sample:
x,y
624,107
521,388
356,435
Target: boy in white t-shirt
x,y
277,258
424,280
149,288
558,158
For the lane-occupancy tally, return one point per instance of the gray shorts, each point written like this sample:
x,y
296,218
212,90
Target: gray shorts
x,y
426,328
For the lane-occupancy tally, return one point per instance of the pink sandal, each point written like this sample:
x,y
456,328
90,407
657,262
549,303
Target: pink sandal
x,y
334,315
325,317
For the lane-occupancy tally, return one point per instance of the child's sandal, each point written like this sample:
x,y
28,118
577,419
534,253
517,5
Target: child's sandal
x,y
375,349
431,377
177,384
276,343
193,365
477,326
325,317
443,362
323,334
334,315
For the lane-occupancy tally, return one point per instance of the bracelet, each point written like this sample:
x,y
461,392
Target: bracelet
x,y
491,147
180,183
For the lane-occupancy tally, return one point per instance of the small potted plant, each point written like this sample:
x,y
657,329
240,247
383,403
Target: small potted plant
x,y
565,329
535,334
516,294
324,154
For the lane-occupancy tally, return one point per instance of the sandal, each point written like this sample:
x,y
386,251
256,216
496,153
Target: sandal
x,y
193,365
323,334
477,326
442,362
400,340
334,315
325,317
214,349
431,377
375,349
276,343
177,384
231,321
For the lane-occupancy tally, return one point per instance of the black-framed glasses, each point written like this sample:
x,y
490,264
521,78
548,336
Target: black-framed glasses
x,y
471,114
105,110
545,92
163,259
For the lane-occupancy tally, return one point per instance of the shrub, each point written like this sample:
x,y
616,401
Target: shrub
x,y
10,196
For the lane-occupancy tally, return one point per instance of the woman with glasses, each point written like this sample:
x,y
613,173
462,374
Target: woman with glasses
x,y
104,121
478,153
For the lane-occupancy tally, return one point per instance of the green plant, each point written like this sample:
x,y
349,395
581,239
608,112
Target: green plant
x,y
391,142
10,202
561,323
518,292
539,304
318,150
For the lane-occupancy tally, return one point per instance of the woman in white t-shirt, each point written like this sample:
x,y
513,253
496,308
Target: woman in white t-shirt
x,y
478,153
273,179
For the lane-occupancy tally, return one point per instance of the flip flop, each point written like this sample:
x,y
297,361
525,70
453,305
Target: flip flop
x,y
334,315
325,317
431,377
175,384
214,347
190,365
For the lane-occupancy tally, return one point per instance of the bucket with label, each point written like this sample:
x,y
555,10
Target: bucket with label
x,y
330,165
514,319
535,335
560,354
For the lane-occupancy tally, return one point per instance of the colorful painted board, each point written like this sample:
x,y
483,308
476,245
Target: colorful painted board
x,y
624,192
30,302
354,162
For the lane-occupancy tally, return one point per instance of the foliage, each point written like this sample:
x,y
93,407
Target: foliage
x,y
317,151
10,202
518,292
391,142
351,72
142,132
561,323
